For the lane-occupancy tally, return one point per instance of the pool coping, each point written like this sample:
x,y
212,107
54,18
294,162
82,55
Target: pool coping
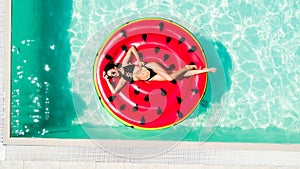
x,y
7,68
7,140
151,144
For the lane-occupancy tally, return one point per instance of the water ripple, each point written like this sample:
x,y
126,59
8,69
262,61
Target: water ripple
x,y
263,43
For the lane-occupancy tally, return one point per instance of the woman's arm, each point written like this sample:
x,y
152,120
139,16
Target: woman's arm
x,y
119,86
132,50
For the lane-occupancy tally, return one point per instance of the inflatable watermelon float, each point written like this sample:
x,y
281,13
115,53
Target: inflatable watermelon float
x,y
152,105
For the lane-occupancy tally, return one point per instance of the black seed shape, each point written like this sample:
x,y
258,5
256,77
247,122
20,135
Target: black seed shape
x,y
156,50
161,26
181,40
142,122
135,108
168,39
136,91
132,127
180,115
179,100
192,63
124,48
159,111
163,92
195,91
192,49
123,107
144,37
112,98
123,32
166,57
108,57
174,81
171,67
204,103
146,98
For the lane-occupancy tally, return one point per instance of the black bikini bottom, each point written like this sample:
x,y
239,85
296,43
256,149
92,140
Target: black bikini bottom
x,y
152,73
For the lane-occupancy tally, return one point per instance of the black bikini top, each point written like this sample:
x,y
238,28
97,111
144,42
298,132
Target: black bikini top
x,y
128,73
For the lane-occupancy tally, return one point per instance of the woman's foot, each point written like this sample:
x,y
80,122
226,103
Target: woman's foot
x,y
212,70
191,67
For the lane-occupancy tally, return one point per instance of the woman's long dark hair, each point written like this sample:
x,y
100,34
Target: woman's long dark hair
x,y
109,66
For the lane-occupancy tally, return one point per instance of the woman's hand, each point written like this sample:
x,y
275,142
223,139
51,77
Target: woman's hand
x,y
141,64
105,76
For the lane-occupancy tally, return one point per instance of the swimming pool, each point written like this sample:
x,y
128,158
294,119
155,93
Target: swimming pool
x,y
252,98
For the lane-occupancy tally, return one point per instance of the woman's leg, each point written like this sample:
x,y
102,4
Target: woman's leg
x,y
178,73
196,72
163,75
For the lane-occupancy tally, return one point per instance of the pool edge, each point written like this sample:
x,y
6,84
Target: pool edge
x,y
7,69
153,144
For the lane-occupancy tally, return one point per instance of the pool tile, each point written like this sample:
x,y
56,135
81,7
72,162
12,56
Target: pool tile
x,y
258,167
11,164
41,164
77,165
150,166
290,167
2,153
114,165
187,166
222,167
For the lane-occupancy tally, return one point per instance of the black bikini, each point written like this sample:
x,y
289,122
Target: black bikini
x,y
128,73
152,73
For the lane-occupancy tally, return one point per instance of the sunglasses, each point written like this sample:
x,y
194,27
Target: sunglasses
x,y
113,73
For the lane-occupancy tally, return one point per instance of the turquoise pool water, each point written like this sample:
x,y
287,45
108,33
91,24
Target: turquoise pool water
x,y
252,98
